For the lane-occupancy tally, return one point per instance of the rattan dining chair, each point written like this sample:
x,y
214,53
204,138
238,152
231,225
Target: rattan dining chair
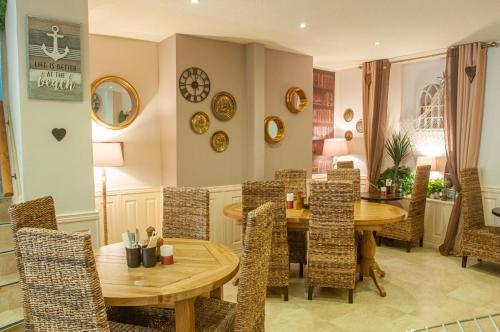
x,y
248,314
295,181
256,193
412,228
37,213
62,283
345,164
332,247
347,174
186,213
479,240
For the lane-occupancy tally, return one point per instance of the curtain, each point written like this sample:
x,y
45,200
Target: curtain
x,y
375,95
463,107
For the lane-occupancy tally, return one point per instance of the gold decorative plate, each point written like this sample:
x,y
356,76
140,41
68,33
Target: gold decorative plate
x,y
200,122
360,126
223,106
348,135
348,115
219,141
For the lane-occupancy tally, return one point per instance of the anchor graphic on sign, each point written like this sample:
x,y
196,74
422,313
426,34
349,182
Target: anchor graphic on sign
x,y
55,52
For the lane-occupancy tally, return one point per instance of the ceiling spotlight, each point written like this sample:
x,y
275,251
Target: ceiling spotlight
x,y
195,1
377,43
302,25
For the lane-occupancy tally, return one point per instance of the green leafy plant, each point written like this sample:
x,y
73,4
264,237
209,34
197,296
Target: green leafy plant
x,y
398,147
3,8
435,186
404,177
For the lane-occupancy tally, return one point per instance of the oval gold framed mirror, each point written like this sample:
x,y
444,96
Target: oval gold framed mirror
x,y
296,100
274,129
115,102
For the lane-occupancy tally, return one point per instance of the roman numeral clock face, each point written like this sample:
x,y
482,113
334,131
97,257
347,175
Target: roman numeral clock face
x,y
194,85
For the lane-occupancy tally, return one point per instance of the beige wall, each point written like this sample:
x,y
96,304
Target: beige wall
x,y
137,62
197,163
258,79
46,166
282,71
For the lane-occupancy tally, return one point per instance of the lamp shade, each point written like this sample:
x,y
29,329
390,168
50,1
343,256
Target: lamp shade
x,y
335,147
427,161
107,154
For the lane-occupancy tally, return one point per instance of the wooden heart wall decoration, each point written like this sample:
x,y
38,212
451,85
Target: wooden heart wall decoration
x,y
59,133
471,72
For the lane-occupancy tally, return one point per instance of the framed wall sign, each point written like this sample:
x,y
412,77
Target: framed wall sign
x,y
54,60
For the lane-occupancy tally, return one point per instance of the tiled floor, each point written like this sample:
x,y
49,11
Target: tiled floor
x,y
423,288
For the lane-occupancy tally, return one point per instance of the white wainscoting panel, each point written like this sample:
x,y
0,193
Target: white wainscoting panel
x,y
437,214
491,200
131,209
82,222
223,229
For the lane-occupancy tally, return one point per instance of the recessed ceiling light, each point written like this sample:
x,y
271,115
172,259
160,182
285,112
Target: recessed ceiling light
x,y
195,1
377,43
303,25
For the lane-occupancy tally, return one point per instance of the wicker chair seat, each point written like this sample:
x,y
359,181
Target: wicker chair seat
x,y
210,315
119,327
402,231
483,242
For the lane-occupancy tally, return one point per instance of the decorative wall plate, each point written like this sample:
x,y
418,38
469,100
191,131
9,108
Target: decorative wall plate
x,y
219,141
194,85
200,122
348,135
296,100
223,106
360,126
348,115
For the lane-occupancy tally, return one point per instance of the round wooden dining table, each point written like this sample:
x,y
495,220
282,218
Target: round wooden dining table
x,y
200,268
368,217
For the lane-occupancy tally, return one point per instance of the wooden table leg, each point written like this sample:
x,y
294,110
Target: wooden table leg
x,y
369,267
184,315
236,279
217,293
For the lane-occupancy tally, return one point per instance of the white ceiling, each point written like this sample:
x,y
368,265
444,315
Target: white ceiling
x,y
339,33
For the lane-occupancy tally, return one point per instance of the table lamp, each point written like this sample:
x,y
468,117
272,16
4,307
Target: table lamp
x,y
106,155
335,147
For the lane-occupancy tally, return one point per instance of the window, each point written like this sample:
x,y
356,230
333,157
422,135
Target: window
x,y
431,108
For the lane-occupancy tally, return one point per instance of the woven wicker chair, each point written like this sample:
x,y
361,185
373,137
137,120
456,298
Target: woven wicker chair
x,y
185,213
256,193
248,314
295,181
478,240
332,248
412,228
62,284
345,164
347,174
38,213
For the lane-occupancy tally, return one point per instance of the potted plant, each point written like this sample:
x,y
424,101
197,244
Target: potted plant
x,y
434,188
398,147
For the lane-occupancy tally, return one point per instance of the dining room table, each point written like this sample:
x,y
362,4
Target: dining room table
x,y
201,268
368,217
496,211
381,198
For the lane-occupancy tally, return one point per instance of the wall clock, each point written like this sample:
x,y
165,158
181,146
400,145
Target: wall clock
x,y
194,85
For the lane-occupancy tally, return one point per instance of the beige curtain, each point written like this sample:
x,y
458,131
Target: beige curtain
x,y
463,107
375,95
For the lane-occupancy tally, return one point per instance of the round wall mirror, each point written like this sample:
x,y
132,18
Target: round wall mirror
x,y
296,100
115,102
274,129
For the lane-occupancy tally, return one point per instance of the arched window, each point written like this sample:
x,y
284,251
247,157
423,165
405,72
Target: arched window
x,y
431,108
